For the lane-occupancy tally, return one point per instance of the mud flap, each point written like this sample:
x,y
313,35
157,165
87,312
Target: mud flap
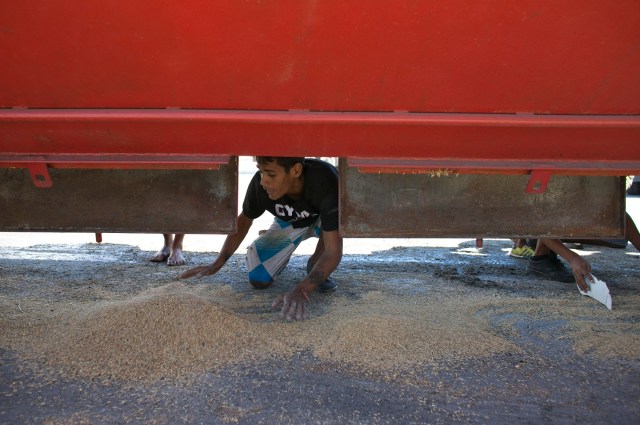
x,y
121,200
478,206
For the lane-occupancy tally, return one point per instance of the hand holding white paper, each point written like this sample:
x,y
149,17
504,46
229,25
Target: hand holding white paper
x,y
599,291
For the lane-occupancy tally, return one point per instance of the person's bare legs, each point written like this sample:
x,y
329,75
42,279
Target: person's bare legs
x,y
176,258
165,252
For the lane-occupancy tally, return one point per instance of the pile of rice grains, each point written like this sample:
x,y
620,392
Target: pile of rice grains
x,y
180,330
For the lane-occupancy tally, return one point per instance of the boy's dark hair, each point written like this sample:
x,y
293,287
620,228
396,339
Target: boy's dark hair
x,y
285,162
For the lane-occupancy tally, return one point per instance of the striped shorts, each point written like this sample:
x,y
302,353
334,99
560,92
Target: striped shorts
x,y
268,255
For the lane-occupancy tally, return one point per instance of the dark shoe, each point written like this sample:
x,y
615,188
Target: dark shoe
x,y
634,189
260,285
327,286
550,268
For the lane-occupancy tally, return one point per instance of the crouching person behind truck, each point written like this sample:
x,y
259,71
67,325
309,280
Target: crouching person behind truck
x,y
302,194
545,262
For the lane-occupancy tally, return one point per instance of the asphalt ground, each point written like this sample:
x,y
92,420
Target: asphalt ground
x,y
573,361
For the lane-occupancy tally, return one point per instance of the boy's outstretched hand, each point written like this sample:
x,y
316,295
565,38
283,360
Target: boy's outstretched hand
x,y
293,304
200,271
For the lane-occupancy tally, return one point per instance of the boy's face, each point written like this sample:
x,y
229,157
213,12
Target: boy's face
x,y
277,182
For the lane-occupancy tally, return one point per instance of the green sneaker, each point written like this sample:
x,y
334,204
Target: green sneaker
x,y
521,252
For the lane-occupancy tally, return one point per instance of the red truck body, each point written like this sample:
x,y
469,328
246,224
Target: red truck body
x,y
400,86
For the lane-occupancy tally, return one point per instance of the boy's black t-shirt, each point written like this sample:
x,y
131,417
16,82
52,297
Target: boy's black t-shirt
x,y
320,198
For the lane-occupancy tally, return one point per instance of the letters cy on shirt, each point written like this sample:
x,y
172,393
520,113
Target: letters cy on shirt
x,y
320,198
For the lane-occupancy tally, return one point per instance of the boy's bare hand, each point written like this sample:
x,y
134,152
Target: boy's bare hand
x,y
199,271
293,304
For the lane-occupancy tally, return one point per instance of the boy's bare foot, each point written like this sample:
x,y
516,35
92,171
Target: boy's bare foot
x,y
176,258
161,256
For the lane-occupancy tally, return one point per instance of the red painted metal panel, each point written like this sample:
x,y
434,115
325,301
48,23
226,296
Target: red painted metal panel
x,y
491,56
527,84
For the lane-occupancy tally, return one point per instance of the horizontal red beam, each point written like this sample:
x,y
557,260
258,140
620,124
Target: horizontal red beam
x,y
113,161
454,166
599,144
177,115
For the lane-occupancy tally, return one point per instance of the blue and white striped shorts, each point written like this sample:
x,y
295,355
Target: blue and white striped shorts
x,y
268,255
